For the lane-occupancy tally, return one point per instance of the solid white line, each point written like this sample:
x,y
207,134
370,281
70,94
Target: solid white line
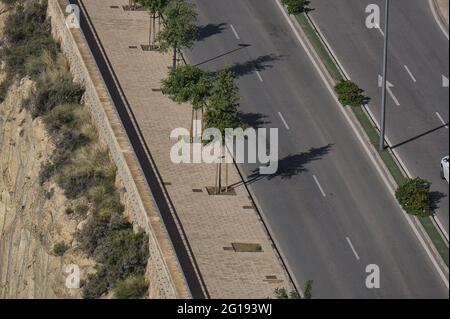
x,y
353,248
283,120
234,31
442,120
320,187
410,73
360,139
259,76
379,29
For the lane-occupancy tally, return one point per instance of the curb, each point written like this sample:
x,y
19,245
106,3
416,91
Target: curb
x,y
439,17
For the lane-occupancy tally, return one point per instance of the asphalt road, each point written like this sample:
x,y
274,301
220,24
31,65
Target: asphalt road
x,y
418,58
327,207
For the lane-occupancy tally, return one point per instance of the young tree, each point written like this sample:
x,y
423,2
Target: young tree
x,y
294,6
154,7
414,196
188,84
349,93
222,113
180,29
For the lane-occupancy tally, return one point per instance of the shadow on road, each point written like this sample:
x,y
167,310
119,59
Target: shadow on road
x,y
436,198
254,120
208,30
291,165
261,63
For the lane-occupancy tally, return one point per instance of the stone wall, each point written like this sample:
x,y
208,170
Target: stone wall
x,y
165,275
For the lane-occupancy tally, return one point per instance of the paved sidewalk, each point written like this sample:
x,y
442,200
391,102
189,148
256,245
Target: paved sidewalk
x,y
211,223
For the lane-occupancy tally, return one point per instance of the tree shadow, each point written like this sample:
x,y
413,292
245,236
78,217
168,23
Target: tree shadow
x,y
208,30
254,120
261,63
435,198
307,9
292,165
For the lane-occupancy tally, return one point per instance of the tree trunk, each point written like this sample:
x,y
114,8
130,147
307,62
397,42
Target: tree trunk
x,y
226,177
150,34
192,126
220,175
154,29
174,57
216,179
159,21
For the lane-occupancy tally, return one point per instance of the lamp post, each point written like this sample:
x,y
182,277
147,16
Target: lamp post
x,y
384,80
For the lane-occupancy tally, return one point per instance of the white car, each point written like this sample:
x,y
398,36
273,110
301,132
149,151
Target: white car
x,y
444,168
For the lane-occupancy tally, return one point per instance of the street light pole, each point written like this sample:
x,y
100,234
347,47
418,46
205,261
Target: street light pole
x,y
384,80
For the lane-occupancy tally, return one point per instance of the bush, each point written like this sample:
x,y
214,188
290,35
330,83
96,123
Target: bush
x,y
96,285
87,169
414,196
294,6
52,92
81,209
113,243
349,93
123,253
26,35
132,287
60,248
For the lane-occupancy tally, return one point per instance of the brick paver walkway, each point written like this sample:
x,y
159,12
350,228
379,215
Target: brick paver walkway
x,y
210,222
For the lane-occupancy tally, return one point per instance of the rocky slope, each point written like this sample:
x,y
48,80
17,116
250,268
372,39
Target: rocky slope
x,y
33,218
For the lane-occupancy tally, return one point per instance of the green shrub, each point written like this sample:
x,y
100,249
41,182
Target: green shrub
x,y
89,168
414,196
26,35
294,6
95,285
133,287
60,248
60,116
349,93
123,253
81,209
52,92
113,243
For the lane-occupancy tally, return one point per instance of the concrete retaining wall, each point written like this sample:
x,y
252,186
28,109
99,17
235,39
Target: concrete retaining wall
x,y
165,275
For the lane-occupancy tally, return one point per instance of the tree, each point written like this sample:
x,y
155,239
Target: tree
x,y
308,290
154,7
180,29
60,248
222,113
281,293
294,6
188,84
414,196
349,93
